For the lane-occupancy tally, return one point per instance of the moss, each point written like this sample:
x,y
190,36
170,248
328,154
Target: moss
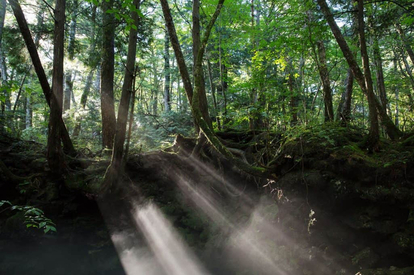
x,y
404,240
365,258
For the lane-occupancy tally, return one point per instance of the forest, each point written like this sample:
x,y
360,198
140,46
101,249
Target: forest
x,y
207,137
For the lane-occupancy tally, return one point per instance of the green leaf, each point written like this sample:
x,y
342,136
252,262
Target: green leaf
x,y
5,202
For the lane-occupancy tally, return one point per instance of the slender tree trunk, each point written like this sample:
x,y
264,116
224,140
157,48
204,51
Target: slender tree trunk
x,y
391,129
167,73
405,42
156,87
111,177
345,107
19,93
3,80
2,19
29,112
54,149
213,93
397,111
31,47
326,83
380,74
84,98
407,74
71,52
223,85
373,114
131,122
185,76
93,64
107,76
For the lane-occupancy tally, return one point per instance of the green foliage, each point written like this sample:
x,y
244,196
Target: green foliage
x,y
152,132
33,217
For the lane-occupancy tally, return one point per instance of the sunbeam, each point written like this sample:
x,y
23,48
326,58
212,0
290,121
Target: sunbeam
x,y
167,246
135,259
242,239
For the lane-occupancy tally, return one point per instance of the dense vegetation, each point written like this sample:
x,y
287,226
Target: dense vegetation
x,y
311,100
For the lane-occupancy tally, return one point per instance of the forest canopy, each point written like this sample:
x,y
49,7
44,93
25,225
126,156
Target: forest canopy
x,y
257,65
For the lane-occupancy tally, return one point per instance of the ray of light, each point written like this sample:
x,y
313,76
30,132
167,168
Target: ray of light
x,y
241,239
167,246
225,184
135,259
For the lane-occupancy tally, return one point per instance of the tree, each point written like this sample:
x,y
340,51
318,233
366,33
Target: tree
x,y
107,76
111,176
37,64
69,75
199,75
365,82
5,106
326,83
167,73
54,149
193,94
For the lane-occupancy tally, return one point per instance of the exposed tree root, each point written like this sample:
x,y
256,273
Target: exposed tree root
x,y
12,177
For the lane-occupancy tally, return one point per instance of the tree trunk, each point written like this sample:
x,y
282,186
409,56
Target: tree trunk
x,y
84,98
29,112
167,73
373,136
380,74
199,82
54,150
391,129
37,64
294,98
345,107
213,94
131,121
405,42
2,19
107,77
2,62
326,83
111,177
407,73
205,128
71,51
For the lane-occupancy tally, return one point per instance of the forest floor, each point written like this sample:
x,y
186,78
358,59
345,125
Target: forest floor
x,y
331,208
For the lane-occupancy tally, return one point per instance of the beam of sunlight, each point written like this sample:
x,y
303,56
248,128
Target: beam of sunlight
x,y
135,259
224,184
243,238
167,246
